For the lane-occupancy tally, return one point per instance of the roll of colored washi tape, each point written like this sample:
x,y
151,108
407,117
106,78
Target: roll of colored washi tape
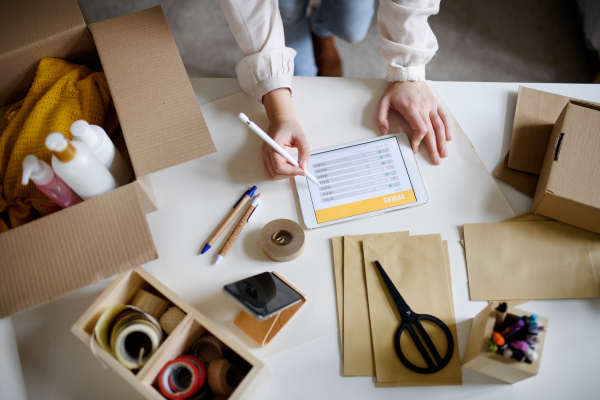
x,y
101,330
176,383
134,337
180,379
149,303
223,377
282,240
207,349
170,319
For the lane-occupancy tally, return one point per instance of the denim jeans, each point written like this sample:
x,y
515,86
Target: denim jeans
x,y
346,19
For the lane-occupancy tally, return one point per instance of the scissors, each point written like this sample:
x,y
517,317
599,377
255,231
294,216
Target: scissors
x,y
410,318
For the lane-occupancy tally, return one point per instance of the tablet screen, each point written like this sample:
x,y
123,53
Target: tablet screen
x,y
359,179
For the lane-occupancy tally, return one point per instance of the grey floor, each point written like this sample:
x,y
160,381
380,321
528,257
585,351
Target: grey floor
x,y
492,40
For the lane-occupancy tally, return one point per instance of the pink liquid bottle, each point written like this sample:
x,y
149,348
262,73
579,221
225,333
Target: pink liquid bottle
x,y
48,182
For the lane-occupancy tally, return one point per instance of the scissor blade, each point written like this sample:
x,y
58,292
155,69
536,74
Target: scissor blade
x,y
400,303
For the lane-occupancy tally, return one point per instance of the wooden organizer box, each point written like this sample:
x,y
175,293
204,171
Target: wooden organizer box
x,y
477,358
194,325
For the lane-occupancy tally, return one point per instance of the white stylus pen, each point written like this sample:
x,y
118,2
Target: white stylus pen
x,y
275,146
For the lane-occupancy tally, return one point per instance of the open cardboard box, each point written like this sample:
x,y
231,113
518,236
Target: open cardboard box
x,y
162,126
194,325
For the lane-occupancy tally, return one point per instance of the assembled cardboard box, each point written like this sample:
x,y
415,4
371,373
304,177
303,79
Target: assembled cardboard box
x,y
569,185
162,126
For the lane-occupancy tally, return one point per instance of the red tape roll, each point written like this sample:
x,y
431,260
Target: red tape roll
x,y
176,387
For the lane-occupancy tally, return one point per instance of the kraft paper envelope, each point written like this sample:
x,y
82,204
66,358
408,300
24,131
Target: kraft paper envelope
x,y
527,217
358,352
440,381
532,260
418,267
337,244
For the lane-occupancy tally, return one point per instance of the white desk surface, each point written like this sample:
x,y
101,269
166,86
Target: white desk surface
x,y
55,365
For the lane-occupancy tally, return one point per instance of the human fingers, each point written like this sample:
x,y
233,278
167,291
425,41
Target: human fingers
x,y
414,118
282,168
446,120
440,133
301,143
267,162
267,172
430,142
383,108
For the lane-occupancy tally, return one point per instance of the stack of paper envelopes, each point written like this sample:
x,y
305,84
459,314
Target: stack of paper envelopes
x,y
419,267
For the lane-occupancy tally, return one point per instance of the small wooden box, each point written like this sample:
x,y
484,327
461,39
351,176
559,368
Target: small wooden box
x,y
194,325
477,358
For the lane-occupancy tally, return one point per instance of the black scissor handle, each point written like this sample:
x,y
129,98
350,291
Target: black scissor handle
x,y
431,365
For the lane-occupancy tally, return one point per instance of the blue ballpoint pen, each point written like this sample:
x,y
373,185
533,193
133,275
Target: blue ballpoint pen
x,y
237,207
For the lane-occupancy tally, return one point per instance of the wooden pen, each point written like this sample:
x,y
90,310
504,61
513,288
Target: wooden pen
x,y
237,207
238,229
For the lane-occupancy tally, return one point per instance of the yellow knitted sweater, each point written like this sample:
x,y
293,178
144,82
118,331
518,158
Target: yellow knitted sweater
x,y
61,94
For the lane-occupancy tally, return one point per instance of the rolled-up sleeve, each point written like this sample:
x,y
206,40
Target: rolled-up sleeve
x,y
258,30
408,43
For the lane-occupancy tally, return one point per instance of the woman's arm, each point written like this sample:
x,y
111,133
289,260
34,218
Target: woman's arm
x,y
266,73
409,44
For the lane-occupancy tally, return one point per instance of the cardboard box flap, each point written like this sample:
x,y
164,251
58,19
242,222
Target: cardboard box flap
x,y
575,148
32,29
73,248
158,111
535,115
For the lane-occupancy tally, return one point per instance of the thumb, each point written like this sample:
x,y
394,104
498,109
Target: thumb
x,y
381,119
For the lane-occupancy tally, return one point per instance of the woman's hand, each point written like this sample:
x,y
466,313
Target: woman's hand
x,y
286,132
415,102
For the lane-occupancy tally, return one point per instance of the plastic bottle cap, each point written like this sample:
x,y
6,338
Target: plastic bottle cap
x,y
56,141
83,132
37,170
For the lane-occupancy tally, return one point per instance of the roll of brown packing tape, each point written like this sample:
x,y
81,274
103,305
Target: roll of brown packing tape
x,y
282,240
223,377
150,303
207,349
170,319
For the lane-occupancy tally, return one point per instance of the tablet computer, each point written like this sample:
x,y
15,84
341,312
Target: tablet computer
x,y
360,180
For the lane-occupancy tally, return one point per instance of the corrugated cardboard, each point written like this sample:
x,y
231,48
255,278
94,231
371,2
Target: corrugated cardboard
x,y
162,126
535,116
32,29
144,71
569,186
524,182
61,252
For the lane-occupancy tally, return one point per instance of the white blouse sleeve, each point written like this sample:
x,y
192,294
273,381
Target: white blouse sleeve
x,y
408,41
257,27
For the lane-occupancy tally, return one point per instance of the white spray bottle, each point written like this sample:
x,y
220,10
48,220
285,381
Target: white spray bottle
x,y
75,164
48,182
100,144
